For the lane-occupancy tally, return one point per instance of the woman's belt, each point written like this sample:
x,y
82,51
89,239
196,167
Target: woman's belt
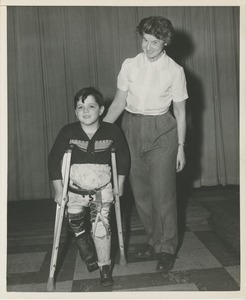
x,y
143,115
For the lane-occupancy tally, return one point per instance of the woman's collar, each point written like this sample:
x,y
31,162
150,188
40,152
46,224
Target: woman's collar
x,y
155,61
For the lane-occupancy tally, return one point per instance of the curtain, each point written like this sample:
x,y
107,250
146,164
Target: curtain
x,y
55,51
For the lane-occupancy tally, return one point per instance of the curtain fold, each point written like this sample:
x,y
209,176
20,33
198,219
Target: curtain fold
x,y
55,51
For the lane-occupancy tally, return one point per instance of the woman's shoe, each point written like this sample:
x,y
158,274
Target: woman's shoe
x,y
106,275
146,251
165,262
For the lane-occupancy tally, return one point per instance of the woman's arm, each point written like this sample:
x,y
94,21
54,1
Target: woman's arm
x,y
179,110
121,180
116,107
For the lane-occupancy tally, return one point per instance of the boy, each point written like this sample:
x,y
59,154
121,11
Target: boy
x,y
90,178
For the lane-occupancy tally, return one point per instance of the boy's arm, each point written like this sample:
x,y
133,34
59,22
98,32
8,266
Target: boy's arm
x,y
56,154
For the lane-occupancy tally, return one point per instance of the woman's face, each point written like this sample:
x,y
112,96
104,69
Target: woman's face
x,y
151,46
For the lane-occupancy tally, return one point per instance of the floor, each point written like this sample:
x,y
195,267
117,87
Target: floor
x,y
208,258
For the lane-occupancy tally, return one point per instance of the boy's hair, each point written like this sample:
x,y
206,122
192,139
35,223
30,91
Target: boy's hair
x,y
157,26
88,91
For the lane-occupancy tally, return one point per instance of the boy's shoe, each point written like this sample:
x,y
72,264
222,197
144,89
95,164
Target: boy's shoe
x,y
165,262
86,251
106,275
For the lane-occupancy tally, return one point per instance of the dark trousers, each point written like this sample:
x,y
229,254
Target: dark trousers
x,y
153,147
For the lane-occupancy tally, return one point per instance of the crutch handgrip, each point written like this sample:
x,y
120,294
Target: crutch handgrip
x,y
113,150
71,147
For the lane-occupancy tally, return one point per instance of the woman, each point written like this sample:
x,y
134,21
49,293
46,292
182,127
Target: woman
x,y
147,85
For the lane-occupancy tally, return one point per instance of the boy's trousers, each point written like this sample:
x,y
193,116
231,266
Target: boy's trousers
x,y
89,177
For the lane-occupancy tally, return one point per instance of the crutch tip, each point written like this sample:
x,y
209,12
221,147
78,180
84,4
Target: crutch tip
x,y
122,261
51,284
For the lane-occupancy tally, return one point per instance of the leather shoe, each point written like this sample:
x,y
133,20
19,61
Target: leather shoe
x,y
165,262
106,275
147,251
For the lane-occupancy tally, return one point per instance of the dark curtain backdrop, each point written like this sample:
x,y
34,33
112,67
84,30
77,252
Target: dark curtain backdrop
x,y
55,51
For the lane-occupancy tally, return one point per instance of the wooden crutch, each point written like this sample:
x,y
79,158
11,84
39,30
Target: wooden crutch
x,y
59,217
117,207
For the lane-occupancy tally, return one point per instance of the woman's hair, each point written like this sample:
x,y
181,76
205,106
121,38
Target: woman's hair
x,y
88,91
159,27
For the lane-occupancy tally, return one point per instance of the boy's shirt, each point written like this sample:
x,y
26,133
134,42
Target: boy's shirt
x,y
96,150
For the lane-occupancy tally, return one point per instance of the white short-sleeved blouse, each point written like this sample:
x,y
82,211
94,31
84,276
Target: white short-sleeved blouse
x,y
152,86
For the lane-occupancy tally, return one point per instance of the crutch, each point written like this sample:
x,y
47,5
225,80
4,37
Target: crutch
x,y
117,207
59,217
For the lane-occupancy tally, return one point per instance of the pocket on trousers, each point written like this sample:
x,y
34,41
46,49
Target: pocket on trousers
x,y
166,131
165,123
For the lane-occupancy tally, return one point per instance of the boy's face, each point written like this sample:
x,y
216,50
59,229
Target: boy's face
x,y
88,113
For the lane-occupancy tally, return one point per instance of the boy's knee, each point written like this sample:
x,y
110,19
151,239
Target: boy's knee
x,y
77,221
101,230
100,224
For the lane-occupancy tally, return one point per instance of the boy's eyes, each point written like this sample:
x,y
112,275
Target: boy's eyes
x,y
89,106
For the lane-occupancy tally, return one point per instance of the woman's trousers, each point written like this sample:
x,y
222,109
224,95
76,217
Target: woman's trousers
x,y
153,147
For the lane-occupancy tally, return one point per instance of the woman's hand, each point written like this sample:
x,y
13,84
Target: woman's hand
x,y
180,163
117,106
121,180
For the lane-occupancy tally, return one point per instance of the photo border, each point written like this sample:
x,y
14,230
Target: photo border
x,y
241,294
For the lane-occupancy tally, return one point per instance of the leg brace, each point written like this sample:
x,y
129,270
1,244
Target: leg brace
x,y
77,221
99,209
101,232
100,213
83,240
99,218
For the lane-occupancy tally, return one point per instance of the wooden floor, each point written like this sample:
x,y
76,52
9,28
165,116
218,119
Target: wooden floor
x,y
208,258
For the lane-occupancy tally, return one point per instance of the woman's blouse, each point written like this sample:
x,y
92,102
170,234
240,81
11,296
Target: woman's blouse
x,y
152,86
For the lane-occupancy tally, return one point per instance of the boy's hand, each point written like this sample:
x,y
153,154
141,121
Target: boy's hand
x,y
58,187
58,197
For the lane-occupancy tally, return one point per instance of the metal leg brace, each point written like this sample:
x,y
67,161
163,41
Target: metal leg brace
x,y
99,217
